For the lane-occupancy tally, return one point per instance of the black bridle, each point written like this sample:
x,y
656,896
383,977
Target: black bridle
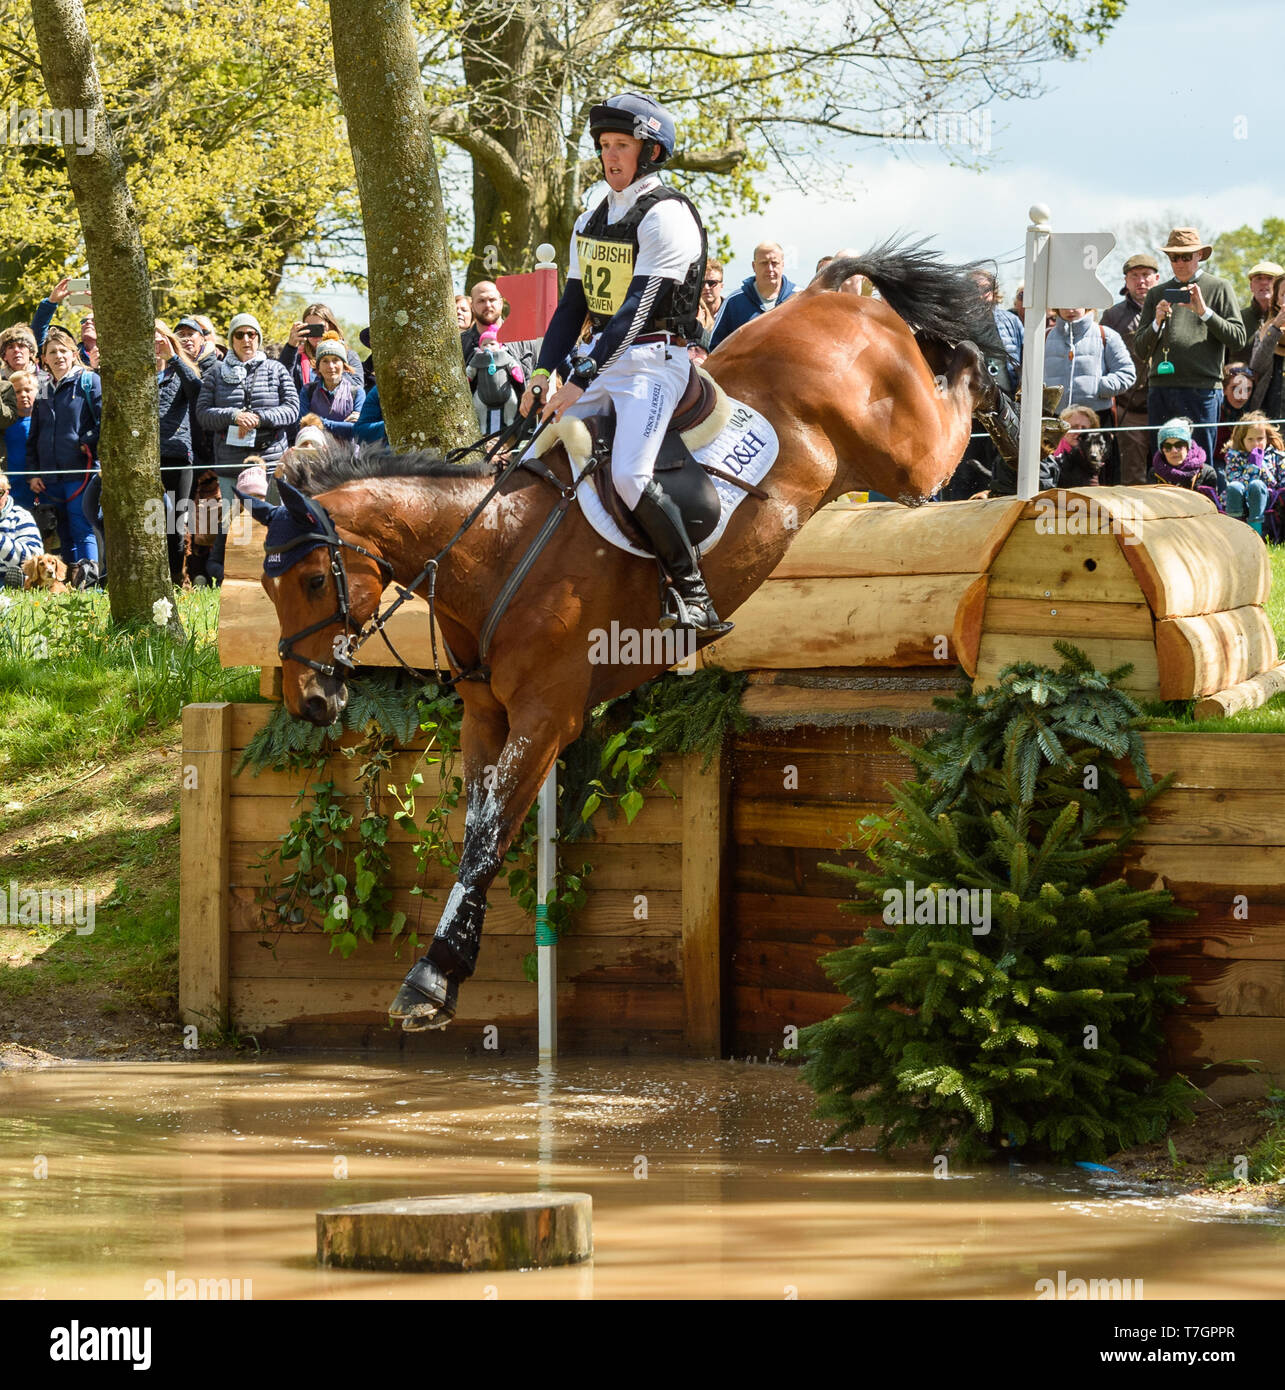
x,y
350,642
343,646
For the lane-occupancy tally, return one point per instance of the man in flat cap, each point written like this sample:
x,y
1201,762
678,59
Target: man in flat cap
x,y
1140,273
1260,290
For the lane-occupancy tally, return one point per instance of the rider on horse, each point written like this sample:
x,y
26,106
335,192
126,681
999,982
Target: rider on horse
x,y
636,266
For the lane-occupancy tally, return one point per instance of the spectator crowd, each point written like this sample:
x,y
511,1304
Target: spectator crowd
x,y
1179,382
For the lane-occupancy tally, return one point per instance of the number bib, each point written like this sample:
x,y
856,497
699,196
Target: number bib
x,y
606,268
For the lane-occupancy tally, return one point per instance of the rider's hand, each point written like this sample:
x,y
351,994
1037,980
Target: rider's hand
x,y
566,396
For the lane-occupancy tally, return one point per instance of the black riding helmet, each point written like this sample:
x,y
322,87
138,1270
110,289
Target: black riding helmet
x,y
631,113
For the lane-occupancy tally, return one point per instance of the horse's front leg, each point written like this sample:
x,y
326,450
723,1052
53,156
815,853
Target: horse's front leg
x,y
428,994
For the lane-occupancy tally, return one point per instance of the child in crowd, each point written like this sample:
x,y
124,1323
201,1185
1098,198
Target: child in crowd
x,y
1255,466
1083,451
19,537
1179,459
1238,386
24,386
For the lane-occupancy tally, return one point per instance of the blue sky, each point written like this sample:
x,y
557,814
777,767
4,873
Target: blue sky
x,y
1172,115
1167,117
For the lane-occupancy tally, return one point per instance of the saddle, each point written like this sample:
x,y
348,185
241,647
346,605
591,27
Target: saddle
x,y
699,418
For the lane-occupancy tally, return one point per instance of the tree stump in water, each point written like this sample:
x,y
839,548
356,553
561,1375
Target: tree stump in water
x,y
490,1230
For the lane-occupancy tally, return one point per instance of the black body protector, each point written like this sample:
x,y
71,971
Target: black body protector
x,y
608,253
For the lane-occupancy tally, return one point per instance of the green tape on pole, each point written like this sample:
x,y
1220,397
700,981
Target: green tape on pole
x,y
545,935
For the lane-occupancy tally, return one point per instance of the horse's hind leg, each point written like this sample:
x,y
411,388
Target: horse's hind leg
x,y
428,994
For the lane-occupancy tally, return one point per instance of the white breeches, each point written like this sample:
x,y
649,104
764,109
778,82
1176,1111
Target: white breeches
x,y
644,385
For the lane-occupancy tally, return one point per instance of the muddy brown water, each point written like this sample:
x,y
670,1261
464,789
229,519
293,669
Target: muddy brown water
x,y
709,1180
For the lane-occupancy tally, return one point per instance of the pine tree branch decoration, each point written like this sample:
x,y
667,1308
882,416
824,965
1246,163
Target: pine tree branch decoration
x,y
1042,1030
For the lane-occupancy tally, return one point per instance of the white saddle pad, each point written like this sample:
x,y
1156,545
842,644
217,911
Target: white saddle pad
x,y
743,444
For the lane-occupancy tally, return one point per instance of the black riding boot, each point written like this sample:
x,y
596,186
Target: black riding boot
x,y
663,525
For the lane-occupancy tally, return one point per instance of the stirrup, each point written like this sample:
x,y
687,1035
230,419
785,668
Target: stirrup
x,y
699,616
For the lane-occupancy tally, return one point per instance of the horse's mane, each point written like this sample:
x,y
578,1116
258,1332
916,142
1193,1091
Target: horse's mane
x,y
314,471
937,300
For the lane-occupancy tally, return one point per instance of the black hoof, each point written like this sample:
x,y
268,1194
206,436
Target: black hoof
x,y
426,999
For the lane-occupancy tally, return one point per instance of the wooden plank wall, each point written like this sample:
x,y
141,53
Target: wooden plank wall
x,y
1216,840
744,848
621,979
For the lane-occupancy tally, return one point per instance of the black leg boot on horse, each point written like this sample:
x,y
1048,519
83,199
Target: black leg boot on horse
x,y
689,603
429,993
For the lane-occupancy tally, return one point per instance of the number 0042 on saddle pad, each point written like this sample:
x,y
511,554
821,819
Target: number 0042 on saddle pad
x,y
746,447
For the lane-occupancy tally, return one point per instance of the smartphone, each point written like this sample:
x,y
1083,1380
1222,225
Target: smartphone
x,y
312,330
78,293
1177,296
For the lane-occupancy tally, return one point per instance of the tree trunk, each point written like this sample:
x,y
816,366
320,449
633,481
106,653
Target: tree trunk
x,y
413,332
129,444
519,181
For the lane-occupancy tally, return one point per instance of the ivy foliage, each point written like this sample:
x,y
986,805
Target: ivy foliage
x,y
315,875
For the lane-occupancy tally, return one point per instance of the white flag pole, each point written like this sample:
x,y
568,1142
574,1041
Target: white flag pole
x,y
546,941
1035,296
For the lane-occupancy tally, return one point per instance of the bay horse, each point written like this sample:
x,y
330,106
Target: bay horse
x,y
862,393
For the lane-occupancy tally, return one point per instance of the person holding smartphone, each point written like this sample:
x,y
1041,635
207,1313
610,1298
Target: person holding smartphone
x,y
299,355
1189,323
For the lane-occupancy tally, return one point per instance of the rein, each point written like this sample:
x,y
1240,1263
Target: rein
x,y
347,645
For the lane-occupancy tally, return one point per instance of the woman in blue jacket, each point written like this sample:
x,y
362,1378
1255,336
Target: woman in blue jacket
x,y
63,443
335,393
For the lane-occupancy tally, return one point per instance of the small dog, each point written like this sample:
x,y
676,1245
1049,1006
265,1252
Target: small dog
x,y
1082,465
45,572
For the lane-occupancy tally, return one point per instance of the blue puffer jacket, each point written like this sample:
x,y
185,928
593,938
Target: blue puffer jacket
x,y
1009,328
369,428
1089,362
743,305
62,421
262,386
179,386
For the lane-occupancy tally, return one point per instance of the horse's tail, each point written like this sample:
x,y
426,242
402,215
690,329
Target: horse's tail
x,y
936,300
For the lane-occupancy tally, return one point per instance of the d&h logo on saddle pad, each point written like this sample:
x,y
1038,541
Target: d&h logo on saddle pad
x,y
736,439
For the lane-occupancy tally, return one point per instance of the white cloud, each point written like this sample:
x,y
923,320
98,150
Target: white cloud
x,y
968,215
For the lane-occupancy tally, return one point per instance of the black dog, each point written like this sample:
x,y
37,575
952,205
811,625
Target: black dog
x,y
1083,464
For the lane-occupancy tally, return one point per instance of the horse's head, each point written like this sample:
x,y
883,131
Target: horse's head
x,y
326,586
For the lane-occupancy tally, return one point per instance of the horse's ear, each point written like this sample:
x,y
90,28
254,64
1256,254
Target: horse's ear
x,y
297,504
262,511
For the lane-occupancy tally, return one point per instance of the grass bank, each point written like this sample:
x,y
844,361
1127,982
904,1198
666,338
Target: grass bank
x,y
90,740
1270,719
